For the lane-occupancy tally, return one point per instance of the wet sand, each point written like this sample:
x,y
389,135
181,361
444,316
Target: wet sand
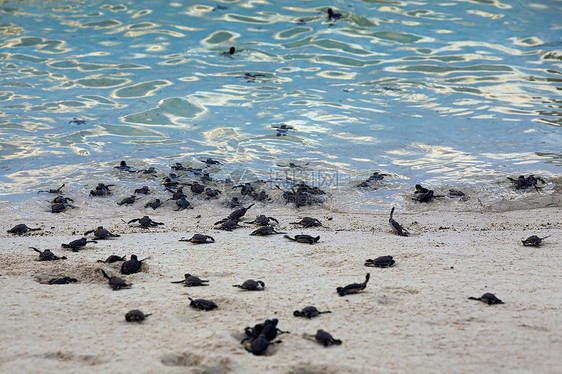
x,y
413,317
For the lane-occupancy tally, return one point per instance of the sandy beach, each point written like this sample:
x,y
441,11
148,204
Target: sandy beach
x,y
412,318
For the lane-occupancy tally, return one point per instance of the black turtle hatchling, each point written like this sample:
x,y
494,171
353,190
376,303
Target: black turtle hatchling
x,y
63,280
533,240
101,233
113,258
523,182
262,220
144,190
488,298
21,229
266,230
202,304
325,338
47,255
101,190
156,203
229,53
192,281
267,329
132,266
145,222
228,225
77,244
381,262
398,229
238,213
183,204
197,188
199,239
256,346
354,287
178,194
115,283
302,238
309,312
136,315
308,222
210,161
51,190
233,203
124,167
251,285
128,200
211,193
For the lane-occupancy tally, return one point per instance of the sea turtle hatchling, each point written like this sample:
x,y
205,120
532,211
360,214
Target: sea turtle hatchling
x,y
115,283
265,230
398,229
533,240
136,315
192,281
132,266
199,239
354,287
183,204
154,204
381,262
324,338
128,200
251,285
21,229
77,244
262,220
100,233
202,304
302,238
228,225
308,222
63,280
145,222
144,190
309,312
238,213
101,190
488,298
113,258
267,329
47,255
52,190
229,53
124,167
256,346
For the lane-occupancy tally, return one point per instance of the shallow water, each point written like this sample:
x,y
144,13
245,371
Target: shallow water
x,y
440,93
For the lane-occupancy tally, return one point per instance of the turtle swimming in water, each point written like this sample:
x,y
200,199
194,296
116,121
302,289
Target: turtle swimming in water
x,y
308,222
488,298
381,262
21,229
302,238
324,338
309,312
136,315
128,200
47,255
192,281
100,233
51,190
333,16
133,265
101,190
199,239
113,258
262,220
145,222
77,244
354,287
202,304
533,240
124,167
265,230
251,285
63,280
398,229
115,283
229,53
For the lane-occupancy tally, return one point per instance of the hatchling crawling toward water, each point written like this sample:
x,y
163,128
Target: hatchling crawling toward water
x,y
136,315
228,225
381,262
101,233
115,283
324,338
302,238
266,230
21,229
63,280
199,239
533,240
192,281
354,287
396,227
251,285
202,304
488,298
47,255
77,244
262,220
309,312
133,265
113,258
308,222
145,222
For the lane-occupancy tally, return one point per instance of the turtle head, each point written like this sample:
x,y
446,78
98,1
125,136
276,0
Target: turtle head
x,y
134,257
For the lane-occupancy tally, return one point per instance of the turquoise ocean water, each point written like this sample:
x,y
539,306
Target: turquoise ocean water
x,y
442,93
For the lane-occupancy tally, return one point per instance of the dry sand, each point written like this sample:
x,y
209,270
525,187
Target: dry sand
x,y
414,317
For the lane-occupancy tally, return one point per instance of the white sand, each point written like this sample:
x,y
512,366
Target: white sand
x,y
414,317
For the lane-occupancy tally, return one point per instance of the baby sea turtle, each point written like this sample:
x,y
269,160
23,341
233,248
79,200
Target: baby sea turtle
x,y
308,222
210,161
136,315
533,240
178,194
309,312
376,176
267,329
333,16
354,287
233,203
101,190
229,53
183,204
151,170
51,190
523,182
266,230
238,213
115,283
202,304
77,121
192,281
398,229
156,203
145,222
197,188
60,203
488,298
256,346
101,233
144,190
381,262
199,239
211,193
21,229
124,167
262,220
128,200
302,238
63,280
228,225
251,285
456,193
47,255
77,244
113,258
133,265
324,338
